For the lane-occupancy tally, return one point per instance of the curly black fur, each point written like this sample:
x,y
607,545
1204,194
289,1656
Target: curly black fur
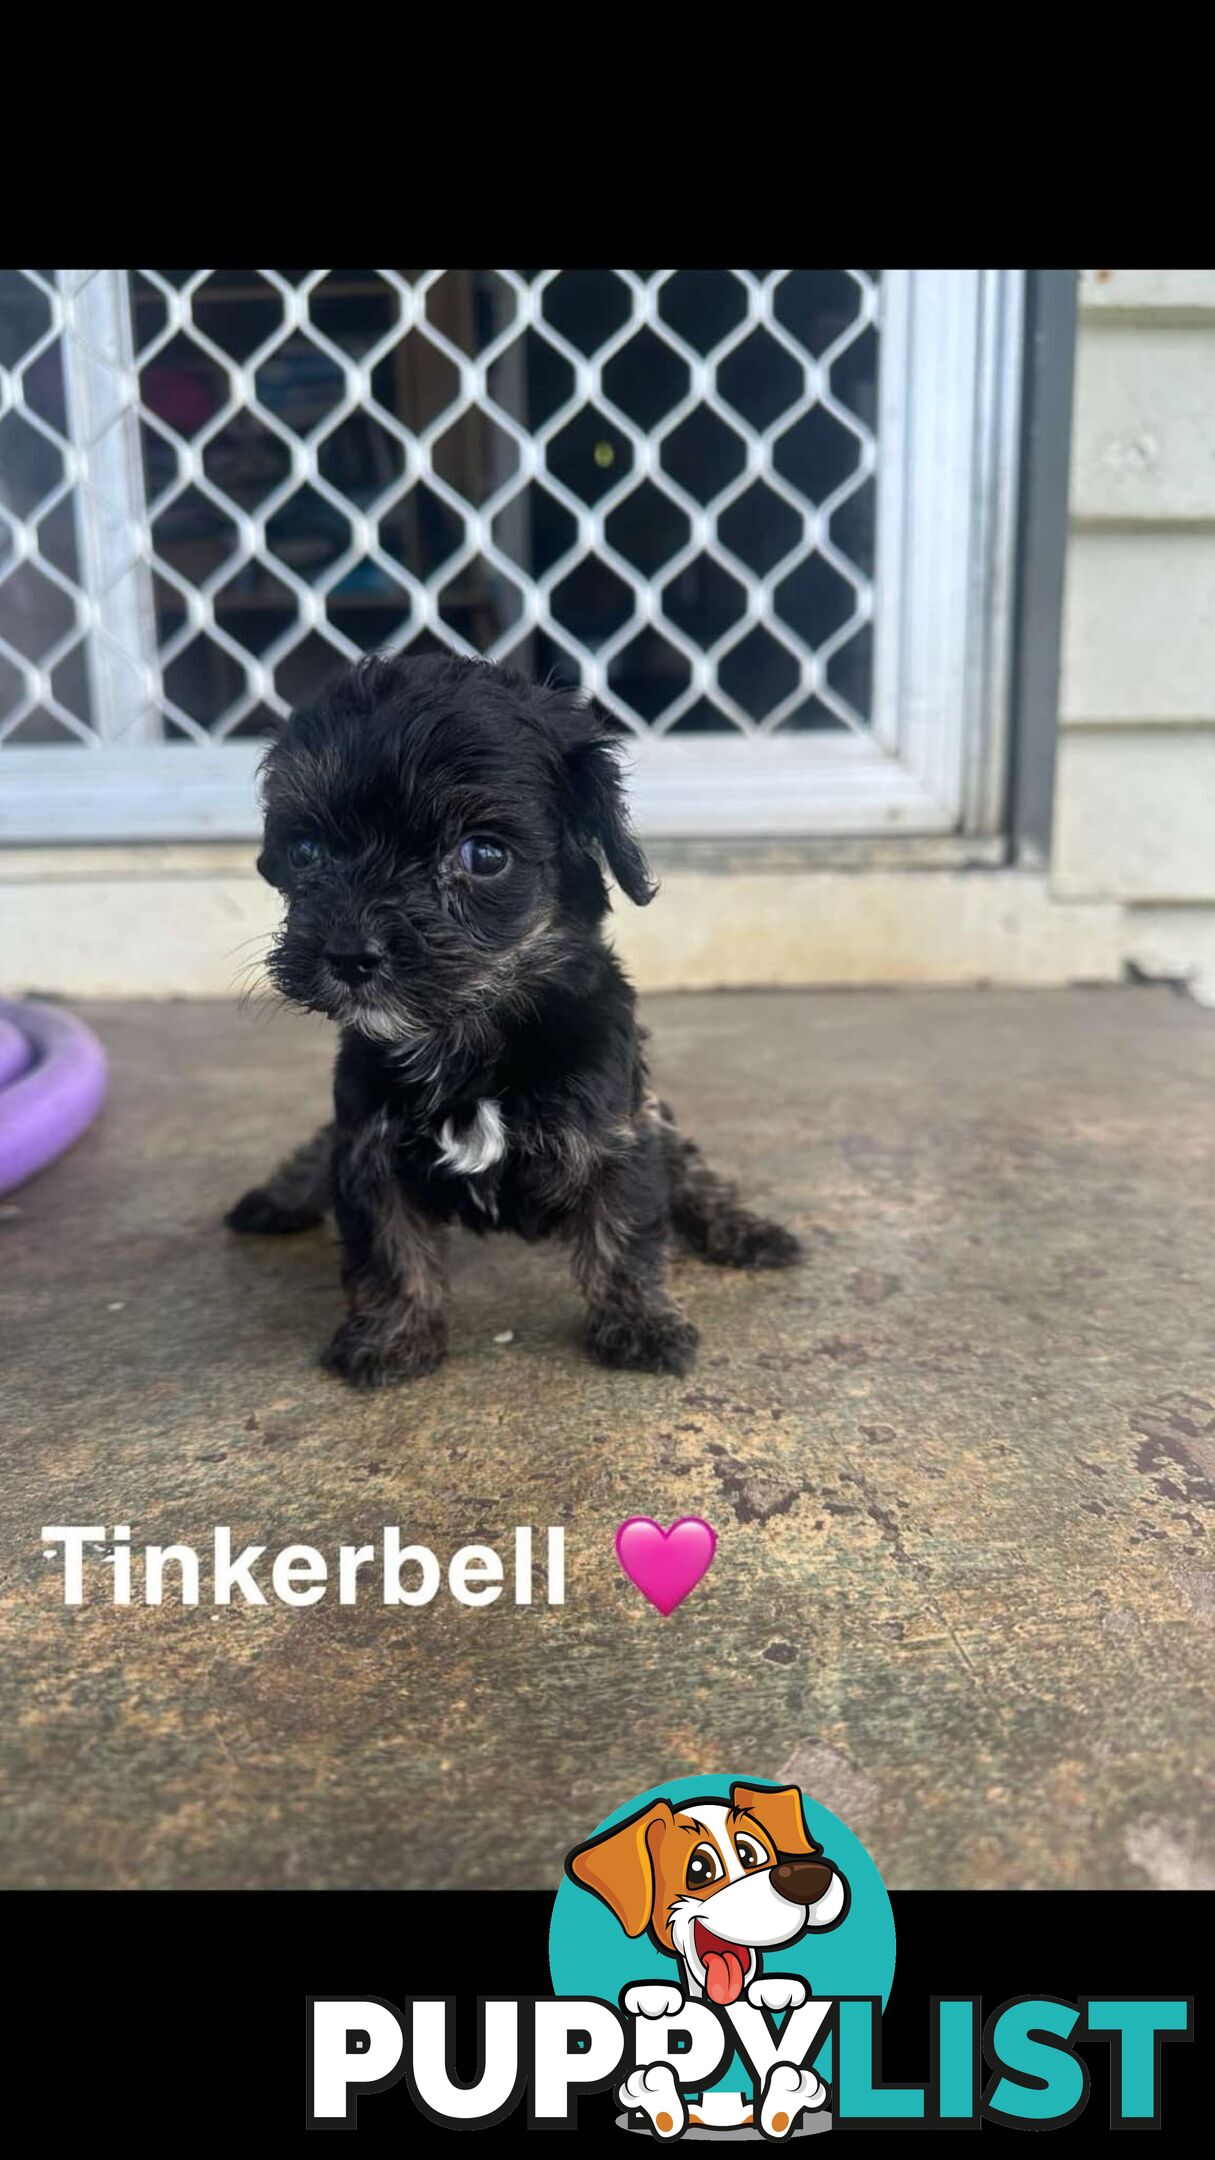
x,y
439,829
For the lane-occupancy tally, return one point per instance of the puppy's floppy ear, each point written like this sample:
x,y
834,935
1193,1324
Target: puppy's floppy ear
x,y
597,808
619,1866
269,864
778,1810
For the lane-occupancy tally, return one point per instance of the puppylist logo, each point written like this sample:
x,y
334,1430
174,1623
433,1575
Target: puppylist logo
x,y
721,1953
724,1926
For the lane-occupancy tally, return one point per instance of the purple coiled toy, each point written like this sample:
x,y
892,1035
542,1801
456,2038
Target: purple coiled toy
x,y
52,1084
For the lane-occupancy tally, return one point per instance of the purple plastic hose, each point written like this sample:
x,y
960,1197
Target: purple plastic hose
x,y
47,1105
15,1052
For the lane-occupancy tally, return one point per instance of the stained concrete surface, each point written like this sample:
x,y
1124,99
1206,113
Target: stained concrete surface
x,y
961,1465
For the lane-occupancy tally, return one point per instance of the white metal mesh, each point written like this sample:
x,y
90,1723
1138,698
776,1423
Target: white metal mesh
x,y
217,486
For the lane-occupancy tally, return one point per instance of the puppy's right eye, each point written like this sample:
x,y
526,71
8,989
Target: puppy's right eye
x,y
305,854
482,857
703,1867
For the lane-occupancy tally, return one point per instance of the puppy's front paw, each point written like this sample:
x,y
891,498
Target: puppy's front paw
x,y
658,1341
788,2092
367,1355
258,1214
652,2091
653,1999
777,1991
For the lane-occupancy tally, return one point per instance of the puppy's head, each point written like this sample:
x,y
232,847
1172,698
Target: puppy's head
x,y
439,828
715,1885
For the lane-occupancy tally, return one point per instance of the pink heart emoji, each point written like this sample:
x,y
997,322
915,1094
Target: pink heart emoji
x,y
665,1564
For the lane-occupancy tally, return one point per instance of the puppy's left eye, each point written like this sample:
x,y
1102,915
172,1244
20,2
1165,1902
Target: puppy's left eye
x,y
304,854
482,858
749,1854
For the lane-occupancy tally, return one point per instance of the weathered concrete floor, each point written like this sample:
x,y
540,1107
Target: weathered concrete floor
x,y
961,1465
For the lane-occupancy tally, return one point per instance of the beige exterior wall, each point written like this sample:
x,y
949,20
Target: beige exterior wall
x,y
1135,800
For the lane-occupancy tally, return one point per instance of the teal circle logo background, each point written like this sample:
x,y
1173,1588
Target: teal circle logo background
x,y
590,1954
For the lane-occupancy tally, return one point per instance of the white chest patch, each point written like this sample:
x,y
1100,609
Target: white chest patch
x,y
480,1144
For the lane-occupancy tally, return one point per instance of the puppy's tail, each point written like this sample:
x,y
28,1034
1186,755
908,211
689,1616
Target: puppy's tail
x,y
295,1197
705,1210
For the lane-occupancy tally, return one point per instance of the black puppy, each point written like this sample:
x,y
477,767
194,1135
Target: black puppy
x,y
438,827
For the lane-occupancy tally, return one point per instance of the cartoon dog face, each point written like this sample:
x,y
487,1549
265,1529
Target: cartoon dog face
x,y
714,1885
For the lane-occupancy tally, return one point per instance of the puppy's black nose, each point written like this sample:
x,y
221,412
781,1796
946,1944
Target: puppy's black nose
x,y
354,959
803,1882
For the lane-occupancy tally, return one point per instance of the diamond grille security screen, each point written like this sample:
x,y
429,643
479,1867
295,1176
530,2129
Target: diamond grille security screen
x,y
685,490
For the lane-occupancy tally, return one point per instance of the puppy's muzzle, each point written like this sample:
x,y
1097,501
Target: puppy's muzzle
x,y
354,960
803,1882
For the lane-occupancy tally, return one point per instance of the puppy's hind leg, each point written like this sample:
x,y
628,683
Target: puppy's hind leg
x,y
705,1210
295,1197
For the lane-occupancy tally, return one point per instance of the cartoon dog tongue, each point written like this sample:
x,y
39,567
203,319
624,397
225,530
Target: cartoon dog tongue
x,y
725,1965
723,1975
